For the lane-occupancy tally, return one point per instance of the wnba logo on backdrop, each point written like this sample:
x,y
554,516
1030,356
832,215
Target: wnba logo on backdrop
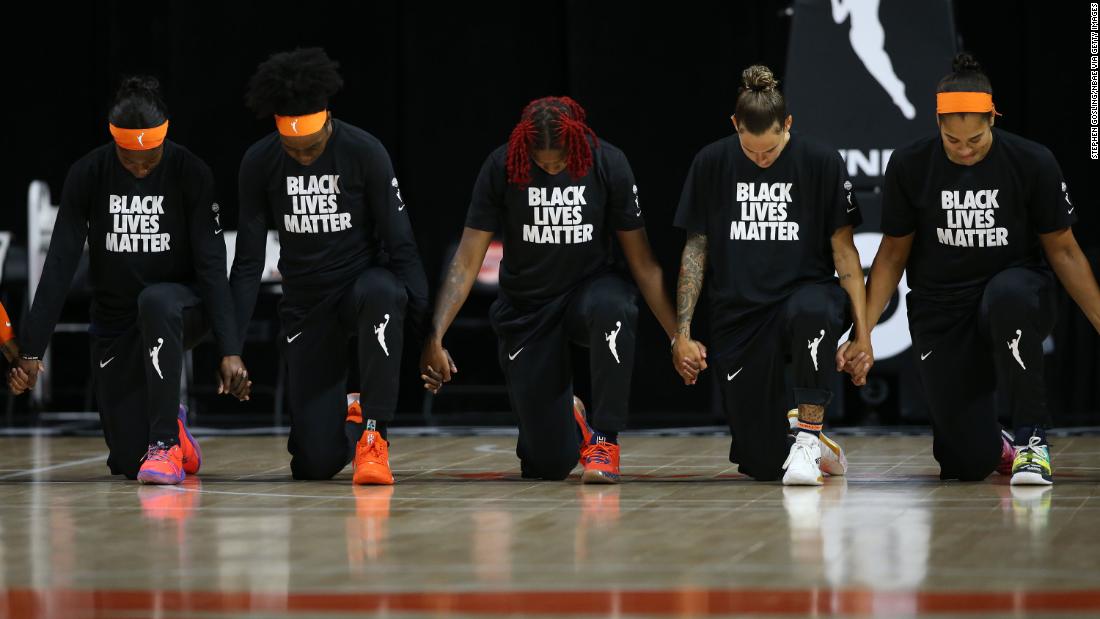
x,y
884,56
871,162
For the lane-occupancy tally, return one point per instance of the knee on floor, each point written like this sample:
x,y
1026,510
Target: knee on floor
x,y
315,469
548,467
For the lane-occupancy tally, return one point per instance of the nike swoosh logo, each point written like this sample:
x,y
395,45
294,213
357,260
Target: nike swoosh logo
x,y
290,339
103,364
925,355
512,357
731,376
400,208
1070,211
851,209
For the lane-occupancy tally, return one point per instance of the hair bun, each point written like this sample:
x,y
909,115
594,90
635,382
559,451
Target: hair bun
x,y
139,85
759,78
965,63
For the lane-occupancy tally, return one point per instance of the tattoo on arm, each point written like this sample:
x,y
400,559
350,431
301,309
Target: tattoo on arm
x,y
455,289
690,284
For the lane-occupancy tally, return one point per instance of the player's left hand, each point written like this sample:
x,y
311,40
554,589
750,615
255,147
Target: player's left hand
x,y
233,378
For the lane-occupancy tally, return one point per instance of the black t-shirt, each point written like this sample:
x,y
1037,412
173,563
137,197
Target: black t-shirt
x,y
335,217
768,229
140,231
972,222
557,231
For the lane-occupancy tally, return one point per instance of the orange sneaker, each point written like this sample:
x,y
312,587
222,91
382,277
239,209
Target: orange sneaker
x,y
355,412
192,455
162,465
600,460
372,460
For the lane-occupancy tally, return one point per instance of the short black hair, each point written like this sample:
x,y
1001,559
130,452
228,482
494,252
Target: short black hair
x,y
293,83
138,104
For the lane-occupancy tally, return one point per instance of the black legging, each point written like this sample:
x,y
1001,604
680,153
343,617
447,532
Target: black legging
x,y
749,364
602,317
373,307
979,358
137,373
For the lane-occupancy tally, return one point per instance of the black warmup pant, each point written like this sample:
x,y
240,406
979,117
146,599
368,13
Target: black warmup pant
x,y
978,357
373,308
602,317
749,370
137,373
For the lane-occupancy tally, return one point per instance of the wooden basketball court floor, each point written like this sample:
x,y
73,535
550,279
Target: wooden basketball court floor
x,y
460,535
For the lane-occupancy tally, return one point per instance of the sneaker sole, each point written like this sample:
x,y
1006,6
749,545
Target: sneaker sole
x,y
182,416
1030,479
372,482
793,480
599,477
369,479
837,467
157,479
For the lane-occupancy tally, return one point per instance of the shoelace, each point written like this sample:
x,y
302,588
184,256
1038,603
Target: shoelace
x,y
374,448
798,450
156,453
600,453
1031,451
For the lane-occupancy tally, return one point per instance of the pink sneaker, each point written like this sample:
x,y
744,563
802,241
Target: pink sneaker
x,y
162,465
1008,453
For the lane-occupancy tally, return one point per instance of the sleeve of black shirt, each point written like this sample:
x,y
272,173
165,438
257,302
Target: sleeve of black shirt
x,y
208,253
899,218
624,212
248,261
395,232
66,246
486,203
1049,206
840,199
691,214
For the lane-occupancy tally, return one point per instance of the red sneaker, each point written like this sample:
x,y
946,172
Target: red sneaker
x,y
162,465
192,455
372,460
600,460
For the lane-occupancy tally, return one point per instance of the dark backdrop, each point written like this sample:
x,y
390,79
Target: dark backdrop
x,y
441,84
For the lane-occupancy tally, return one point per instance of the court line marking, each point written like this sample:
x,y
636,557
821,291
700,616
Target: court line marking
x,y
53,467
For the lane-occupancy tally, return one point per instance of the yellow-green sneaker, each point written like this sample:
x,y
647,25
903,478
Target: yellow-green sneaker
x,y
1032,464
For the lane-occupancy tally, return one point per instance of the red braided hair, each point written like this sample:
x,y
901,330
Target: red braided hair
x,y
551,122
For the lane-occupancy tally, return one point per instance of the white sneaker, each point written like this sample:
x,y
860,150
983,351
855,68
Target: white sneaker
x,y
833,461
803,465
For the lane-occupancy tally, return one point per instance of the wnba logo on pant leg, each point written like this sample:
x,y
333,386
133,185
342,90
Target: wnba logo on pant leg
x,y
380,331
611,337
812,345
154,354
1014,346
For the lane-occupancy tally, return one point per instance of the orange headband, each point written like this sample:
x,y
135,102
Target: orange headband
x,y
954,102
139,139
296,126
